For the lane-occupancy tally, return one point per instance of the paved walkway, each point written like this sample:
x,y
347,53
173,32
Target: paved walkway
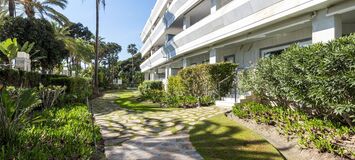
x,y
132,135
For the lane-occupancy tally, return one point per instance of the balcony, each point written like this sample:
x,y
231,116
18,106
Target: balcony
x,y
157,11
164,26
156,59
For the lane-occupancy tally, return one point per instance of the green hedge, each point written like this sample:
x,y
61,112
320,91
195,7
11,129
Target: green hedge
x,y
77,88
208,81
319,78
193,86
323,134
17,78
152,90
64,133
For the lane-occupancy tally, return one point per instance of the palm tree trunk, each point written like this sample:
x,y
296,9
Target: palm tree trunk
x,y
96,85
132,70
12,8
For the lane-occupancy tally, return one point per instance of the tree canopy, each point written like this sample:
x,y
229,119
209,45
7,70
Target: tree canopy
x,y
51,51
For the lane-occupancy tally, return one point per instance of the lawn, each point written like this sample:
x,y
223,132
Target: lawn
x,y
221,138
130,99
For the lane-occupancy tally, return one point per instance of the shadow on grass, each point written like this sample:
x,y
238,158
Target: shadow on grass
x,y
221,138
131,100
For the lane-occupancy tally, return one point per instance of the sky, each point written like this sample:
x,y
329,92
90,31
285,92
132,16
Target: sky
x,y
122,21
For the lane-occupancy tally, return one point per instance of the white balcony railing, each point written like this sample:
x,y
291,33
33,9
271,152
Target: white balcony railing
x,y
175,10
159,57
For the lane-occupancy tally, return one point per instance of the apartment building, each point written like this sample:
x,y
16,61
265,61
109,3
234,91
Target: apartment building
x,y
180,33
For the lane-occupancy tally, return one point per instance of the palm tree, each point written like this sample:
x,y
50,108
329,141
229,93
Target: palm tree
x,y
132,49
44,8
79,49
97,45
10,4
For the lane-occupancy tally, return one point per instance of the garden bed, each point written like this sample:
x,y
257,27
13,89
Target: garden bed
x,y
63,133
288,147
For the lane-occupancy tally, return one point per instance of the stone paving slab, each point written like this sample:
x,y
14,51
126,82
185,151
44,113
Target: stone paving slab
x,y
159,135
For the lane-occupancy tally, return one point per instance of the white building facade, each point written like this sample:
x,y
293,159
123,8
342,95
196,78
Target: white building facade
x,y
180,33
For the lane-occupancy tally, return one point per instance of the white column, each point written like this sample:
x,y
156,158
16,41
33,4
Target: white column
x,y
213,56
215,5
184,62
167,75
167,71
186,22
147,76
326,28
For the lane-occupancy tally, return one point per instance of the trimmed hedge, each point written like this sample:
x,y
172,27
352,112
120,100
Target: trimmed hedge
x,y
18,78
312,132
77,88
203,81
319,78
152,90
193,86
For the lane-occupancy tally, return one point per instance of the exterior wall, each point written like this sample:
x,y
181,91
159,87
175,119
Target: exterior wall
x,y
243,28
247,54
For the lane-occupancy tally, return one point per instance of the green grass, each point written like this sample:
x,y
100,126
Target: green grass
x,y
130,99
220,138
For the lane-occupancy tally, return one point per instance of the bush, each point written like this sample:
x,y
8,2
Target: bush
x,y
204,80
15,108
319,78
323,134
64,133
77,89
152,90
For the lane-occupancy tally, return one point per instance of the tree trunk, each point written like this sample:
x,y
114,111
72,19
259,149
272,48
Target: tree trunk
x,y
12,8
96,81
132,72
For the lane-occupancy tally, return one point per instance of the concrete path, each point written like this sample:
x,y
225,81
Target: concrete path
x,y
132,135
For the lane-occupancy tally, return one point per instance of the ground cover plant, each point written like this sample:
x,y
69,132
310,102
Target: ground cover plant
x,y
221,138
63,133
33,124
312,132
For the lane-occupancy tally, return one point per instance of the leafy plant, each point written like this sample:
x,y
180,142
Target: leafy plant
x,y
152,90
323,134
14,113
64,133
10,48
50,94
318,78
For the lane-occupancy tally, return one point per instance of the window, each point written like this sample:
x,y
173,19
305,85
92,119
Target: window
x,y
277,50
230,58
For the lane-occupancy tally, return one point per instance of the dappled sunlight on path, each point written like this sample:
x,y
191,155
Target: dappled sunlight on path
x,y
147,135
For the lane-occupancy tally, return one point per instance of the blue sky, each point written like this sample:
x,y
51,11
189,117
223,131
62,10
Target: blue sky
x,y
122,21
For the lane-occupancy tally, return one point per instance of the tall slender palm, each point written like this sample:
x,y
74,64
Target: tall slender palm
x,y
97,45
12,8
132,49
44,8
8,6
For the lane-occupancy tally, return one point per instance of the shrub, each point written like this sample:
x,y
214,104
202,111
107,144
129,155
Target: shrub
x,y
152,90
323,134
77,89
319,77
204,80
64,133
49,95
14,112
